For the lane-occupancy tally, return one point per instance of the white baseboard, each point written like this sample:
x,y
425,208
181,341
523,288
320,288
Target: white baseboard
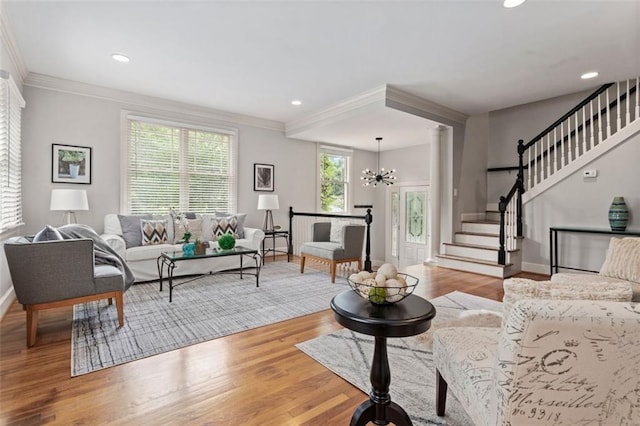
x,y
535,268
6,301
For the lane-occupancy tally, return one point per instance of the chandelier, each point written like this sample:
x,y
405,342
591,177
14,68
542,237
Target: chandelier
x,y
371,177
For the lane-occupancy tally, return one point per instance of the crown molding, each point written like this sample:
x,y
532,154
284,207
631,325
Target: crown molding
x,y
387,96
336,112
7,39
42,81
412,104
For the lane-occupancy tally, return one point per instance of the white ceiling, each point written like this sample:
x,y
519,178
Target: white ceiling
x,y
254,57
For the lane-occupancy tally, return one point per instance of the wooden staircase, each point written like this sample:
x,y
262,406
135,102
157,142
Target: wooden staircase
x,y
475,248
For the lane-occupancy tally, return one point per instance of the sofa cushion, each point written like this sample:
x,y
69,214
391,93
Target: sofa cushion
x,y
130,225
154,231
150,251
48,233
623,259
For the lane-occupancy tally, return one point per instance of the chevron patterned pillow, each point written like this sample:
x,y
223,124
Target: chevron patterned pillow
x,y
224,225
154,232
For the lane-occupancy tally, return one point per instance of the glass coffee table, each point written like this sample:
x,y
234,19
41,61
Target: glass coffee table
x,y
169,259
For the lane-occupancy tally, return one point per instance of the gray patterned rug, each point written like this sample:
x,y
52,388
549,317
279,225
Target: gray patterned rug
x,y
349,355
214,306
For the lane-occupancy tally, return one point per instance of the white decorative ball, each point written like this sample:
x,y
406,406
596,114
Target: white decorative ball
x,y
355,278
388,270
380,280
365,275
396,290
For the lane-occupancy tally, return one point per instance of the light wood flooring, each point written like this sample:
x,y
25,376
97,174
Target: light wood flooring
x,y
257,377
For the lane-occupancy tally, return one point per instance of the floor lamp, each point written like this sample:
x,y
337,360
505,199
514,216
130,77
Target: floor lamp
x,y
69,201
268,202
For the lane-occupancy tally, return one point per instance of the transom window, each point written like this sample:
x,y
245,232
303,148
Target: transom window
x,y
334,188
171,165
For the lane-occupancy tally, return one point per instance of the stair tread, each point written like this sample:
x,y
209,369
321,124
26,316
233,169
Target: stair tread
x,y
479,234
471,260
483,221
477,246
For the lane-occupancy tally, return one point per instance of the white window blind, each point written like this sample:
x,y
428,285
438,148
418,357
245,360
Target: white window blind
x,y
11,104
188,168
334,167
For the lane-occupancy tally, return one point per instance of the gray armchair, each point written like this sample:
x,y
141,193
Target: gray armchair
x,y
52,274
321,249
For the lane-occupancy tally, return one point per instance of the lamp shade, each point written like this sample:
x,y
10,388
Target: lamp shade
x,y
69,199
268,202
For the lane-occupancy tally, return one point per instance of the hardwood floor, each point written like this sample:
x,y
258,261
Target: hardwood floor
x,y
257,377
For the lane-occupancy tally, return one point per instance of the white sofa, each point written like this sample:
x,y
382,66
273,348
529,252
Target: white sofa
x,y
143,259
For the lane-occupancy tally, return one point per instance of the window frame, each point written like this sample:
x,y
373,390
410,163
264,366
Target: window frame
x,y
11,145
336,151
183,125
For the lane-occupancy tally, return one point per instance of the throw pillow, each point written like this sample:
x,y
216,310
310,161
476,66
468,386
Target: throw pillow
x,y
240,218
224,225
130,225
623,259
154,232
48,233
337,226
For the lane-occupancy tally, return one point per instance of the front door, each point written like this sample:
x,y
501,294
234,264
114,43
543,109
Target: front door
x,y
408,226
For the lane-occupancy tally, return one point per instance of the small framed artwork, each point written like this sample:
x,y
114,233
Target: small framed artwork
x,y
70,164
263,177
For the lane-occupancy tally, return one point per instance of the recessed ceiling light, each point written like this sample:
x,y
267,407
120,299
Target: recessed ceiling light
x,y
590,74
296,102
120,57
512,3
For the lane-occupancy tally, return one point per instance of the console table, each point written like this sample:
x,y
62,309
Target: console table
x,y
553,242
408,317
273,235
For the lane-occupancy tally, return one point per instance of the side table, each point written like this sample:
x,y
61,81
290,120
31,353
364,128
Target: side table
x,y
408,317
273,235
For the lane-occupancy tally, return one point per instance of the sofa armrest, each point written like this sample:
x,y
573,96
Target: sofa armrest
x,y
117,243
254,235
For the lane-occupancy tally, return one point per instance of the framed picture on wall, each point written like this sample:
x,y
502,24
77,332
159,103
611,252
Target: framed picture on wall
x,y
263,177
70,164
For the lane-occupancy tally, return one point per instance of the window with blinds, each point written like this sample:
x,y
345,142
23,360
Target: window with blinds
x,y
176,166
11,104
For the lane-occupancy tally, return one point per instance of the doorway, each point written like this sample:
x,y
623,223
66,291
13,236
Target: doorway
x,y
408,239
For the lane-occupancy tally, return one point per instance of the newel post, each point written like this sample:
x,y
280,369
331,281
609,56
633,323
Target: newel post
x,y
368,219
290,246
502,254
520,178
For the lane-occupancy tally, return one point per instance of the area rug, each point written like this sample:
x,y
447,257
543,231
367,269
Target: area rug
x,y
212,307
349,355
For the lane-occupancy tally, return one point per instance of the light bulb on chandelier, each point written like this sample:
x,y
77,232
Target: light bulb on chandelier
x,y
374,177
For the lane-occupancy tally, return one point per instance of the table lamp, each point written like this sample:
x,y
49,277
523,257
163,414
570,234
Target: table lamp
x,y
268,202
70,201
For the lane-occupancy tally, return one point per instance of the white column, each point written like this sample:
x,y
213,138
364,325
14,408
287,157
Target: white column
x,y
434,195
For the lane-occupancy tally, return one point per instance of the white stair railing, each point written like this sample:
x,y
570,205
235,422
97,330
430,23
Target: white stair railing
x,y
581,130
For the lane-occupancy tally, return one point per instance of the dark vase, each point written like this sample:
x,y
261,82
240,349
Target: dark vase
x,y
618,215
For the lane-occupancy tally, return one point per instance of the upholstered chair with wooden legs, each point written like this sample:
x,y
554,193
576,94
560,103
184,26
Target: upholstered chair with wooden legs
x,y
347,248
52,274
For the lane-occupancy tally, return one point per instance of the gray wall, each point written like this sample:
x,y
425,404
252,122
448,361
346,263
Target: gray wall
x,y
57,117
581,202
